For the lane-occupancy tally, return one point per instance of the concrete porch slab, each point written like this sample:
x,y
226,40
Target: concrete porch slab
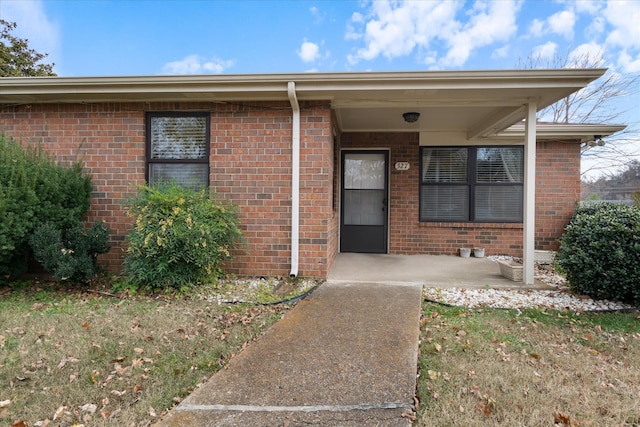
x,y
440,271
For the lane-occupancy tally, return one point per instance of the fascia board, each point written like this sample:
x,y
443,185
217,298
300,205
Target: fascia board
x,y
274,86
562,131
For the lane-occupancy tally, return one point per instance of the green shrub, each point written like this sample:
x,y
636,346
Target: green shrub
x,y
70,254
599,252
180,236
35,190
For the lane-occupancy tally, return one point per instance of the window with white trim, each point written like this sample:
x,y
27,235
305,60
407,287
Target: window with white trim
x,y
178,148
471,184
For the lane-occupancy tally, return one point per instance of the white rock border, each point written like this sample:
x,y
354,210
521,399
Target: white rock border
x,y
557,298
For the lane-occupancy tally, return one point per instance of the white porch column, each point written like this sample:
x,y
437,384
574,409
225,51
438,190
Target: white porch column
x,y
529,220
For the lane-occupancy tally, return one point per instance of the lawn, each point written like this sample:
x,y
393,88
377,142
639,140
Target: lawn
x,y
492,367
71,356
75,356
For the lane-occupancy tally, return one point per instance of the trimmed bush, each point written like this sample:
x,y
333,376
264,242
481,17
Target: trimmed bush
x,y
600,252
35,190
180,236
71,254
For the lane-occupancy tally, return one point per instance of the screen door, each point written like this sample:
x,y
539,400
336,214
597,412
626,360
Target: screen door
x,y
363,223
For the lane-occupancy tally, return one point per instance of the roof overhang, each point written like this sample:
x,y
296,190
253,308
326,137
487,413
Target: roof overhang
x,y
480,103
577,132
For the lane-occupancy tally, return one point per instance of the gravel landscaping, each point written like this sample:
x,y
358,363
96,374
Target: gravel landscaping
x,y
558,296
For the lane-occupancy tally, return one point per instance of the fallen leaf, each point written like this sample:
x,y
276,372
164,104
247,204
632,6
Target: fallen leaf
x,y
20,423
66,360
59,412
85,324
137,388
4,403
559,418
408,415
433,375
89,407
152,412
438,347
138,350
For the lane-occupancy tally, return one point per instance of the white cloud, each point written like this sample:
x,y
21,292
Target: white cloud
x,y
352,33
545,51
309,51
536,28
596,27
397,28
587,54
501,52
629,64
394,29
624,17
562,23
33,24
196,64
589,6
493,21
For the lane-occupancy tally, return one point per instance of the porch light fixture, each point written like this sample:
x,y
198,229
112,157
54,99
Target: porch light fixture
x,y
411,117
596,142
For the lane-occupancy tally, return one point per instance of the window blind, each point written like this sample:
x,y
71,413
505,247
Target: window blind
x,y
178,137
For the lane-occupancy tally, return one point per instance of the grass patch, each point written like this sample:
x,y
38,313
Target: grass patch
x,y
91,358
489,367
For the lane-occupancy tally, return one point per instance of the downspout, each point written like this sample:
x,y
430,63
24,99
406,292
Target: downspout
x,y
295,179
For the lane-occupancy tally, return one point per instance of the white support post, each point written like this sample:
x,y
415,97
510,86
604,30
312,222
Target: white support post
x,y
529,223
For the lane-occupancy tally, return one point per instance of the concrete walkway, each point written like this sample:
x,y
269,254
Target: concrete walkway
x,y
345,356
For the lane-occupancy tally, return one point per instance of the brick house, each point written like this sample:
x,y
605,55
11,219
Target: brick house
x,y
325,163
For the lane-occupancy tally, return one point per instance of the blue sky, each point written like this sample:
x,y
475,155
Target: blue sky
x,y
144,37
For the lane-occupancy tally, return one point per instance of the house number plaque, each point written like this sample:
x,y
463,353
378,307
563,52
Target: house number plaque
x,y
402,166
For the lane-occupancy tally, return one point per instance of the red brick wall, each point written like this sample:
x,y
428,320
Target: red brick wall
x,y
107,138
250,167
558,189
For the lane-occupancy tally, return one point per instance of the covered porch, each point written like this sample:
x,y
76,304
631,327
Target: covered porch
x,y
440,271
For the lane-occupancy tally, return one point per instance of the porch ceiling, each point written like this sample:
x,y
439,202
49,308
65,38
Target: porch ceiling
x,y
479,103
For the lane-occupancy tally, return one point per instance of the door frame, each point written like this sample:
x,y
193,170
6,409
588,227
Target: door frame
x,y
385,150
